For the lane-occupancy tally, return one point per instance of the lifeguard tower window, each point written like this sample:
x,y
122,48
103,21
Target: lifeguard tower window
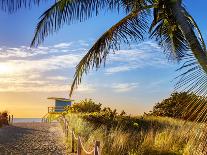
x,y
60,104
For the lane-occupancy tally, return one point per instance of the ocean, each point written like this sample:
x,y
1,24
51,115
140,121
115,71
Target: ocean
x,y
21,120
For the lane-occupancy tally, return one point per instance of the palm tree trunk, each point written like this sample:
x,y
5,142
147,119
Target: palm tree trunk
x,y
187,29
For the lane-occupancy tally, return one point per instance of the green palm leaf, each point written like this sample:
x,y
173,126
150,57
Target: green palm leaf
x,y
14,5
71,11
167,32
130,28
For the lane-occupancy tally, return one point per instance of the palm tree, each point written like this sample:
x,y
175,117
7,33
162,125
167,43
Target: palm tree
x,y
166,21
172,27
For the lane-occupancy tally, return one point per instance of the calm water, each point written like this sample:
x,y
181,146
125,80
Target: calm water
x,y
20,120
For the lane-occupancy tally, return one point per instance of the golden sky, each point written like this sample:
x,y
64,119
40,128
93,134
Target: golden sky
x,y
29,76
134,78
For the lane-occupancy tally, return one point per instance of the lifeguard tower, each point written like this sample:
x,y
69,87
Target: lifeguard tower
x,y
60,104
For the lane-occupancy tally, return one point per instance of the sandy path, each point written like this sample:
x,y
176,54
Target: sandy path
x,y
32,139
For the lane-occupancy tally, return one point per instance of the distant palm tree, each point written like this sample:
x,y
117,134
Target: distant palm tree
x,y
167,21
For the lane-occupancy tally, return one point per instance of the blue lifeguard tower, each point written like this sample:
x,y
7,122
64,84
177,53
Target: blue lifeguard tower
x,y
60,104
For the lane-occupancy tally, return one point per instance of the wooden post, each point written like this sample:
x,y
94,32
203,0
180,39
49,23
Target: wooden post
x,y
97,148
65,126
79,146
9,119
67,129
12,119
73,140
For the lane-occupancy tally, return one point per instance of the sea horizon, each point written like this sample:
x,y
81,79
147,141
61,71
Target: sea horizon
x,y
22,120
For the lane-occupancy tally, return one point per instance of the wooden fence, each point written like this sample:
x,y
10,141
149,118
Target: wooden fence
x,y
6,119
11,119
80,146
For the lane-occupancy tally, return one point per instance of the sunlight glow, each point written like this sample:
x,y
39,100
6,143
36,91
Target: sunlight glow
x,y
5,69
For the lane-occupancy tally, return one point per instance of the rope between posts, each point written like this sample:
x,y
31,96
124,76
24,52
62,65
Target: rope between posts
x,y
87,152
65,127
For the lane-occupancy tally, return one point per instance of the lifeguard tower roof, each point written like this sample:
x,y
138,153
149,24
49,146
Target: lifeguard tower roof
x,y
60,99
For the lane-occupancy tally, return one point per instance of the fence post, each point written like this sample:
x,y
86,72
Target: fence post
x,y
97,148
79,146
64,125
66,128
12,119
9,119
73,140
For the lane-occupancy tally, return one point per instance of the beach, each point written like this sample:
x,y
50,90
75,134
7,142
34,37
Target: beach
x,y
32,138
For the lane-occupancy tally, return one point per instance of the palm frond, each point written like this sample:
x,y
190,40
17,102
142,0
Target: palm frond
x,y
194,24
170,37
193,79
65,11
14,5
130,28
71,11
167,33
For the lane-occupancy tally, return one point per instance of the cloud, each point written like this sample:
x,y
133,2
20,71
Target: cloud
x,y
63,45
84,43
86,88
147,54
42,65
51,68
43,69
124,87
117,69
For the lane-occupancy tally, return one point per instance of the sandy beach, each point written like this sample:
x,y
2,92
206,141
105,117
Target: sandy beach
x,y
32,139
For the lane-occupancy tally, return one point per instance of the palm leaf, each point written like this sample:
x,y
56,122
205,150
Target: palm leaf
x,y
14,5
167,33
194,78
130,28
71,11
194,24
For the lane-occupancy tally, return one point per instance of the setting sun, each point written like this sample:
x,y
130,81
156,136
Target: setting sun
x,y
5,69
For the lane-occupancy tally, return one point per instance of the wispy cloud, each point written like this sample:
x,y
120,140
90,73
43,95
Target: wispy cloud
x,y
124,87
147,54
63,45
42,69
51,68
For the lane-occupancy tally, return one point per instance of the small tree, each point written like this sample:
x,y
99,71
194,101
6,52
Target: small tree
x,y
85,106
180,105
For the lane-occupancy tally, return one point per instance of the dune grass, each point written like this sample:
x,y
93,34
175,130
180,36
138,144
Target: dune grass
x,y
136,135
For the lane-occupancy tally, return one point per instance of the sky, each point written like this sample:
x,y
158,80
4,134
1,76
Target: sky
x,y
134,78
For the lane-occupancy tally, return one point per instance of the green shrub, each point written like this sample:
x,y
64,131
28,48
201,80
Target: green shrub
x,y
181,105
85,106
